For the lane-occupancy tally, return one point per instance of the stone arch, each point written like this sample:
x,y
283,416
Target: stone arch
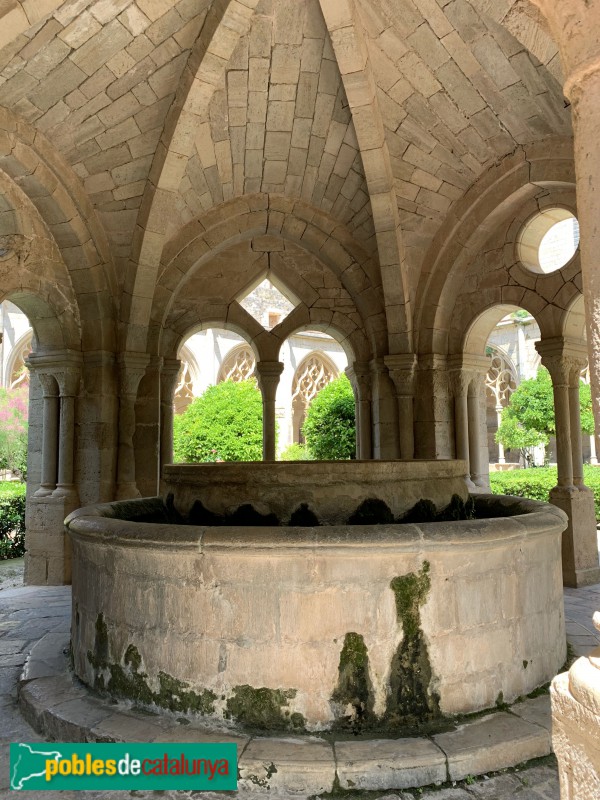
x,y
573,322
57,208
276,219
504,195
226,22
476,333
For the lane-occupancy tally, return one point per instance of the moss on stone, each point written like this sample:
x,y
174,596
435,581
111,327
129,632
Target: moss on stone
x,y
411,701
372,511
354,689
423,511
304,517
125,680
98,658
263,709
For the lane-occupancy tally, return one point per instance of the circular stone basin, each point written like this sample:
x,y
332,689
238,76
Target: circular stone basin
x,y
331,489
357,627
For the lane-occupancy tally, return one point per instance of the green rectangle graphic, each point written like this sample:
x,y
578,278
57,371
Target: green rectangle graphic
x,y
153,766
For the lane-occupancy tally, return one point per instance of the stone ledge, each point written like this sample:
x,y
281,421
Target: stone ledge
x,y
63,709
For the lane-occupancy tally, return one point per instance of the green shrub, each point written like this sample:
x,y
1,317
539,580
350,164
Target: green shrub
x,y
330,429
12,520
223,424
536,483
296,452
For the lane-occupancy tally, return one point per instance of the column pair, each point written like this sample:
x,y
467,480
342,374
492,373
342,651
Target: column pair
x,y
565,360
60,378
468,382
402,370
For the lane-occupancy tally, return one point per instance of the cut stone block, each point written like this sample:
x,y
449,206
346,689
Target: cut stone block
x,y
287,765
389,764
492,743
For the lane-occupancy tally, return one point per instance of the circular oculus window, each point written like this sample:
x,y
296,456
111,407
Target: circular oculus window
x,y
548,241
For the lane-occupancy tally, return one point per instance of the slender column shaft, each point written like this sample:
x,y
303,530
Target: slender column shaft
x,y
501,457
49,435
132,369
461,423
564,456
168,382
474,411
268,373
359,376
576,446
585,98
67,440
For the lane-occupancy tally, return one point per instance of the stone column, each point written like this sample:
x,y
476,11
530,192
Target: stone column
x,y
359,376
434,422
563,360
268,374
575,420
478,468
402,370
583,89
168,382
49,434
501,455
132,367
68,381
384,412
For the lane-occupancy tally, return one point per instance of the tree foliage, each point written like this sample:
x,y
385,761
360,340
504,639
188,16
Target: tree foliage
x,y
330,429
13,430
223,424
528,420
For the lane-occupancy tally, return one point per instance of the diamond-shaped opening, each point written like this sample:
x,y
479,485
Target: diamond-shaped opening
x,y
267,302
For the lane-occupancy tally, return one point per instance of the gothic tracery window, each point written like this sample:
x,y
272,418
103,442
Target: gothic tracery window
x,y
184,389
238,365
17,373
311,376
501,380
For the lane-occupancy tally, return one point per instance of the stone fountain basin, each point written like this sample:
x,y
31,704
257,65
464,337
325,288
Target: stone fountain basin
x,y
221,620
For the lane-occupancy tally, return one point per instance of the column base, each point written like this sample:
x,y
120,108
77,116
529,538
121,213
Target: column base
x,y
48,548
580,540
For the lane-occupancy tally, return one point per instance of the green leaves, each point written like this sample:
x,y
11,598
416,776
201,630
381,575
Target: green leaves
x,y
330,429
12,519
224,424
528,420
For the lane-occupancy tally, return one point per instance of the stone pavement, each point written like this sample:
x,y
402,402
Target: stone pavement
x,y
28,613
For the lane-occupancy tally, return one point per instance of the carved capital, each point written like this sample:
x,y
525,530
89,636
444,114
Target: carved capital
x,y
268,374
132,368
403,370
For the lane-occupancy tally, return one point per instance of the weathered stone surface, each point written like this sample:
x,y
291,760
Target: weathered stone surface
x,y
385,764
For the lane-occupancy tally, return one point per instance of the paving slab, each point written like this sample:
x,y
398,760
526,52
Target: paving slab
x,y
389,764
492,743
537,710
295,766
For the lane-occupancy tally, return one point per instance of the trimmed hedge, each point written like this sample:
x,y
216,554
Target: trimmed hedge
x,y
536,483
12,519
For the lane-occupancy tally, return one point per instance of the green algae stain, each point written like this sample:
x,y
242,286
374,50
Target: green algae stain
x,y
125,680
264,709
411,701
354,690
